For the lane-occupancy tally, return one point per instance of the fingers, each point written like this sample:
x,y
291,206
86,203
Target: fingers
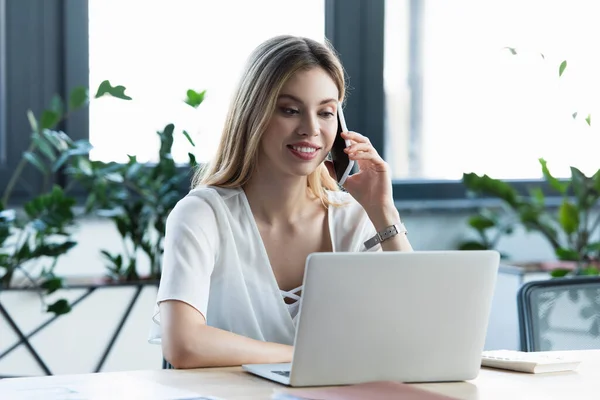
x,y
360,144
357,137
356,147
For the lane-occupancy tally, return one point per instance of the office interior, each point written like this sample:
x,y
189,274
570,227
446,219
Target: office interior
x,y
447,92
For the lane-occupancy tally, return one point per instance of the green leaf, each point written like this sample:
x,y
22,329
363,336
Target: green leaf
x,y
49,119
166,140
79,97
575,115
559,272
580,187
32,121
34,159
595,246
513,51
57,106
568,216
472,245
45,147
90,202
193,161
555,183
538,195
80,150
133,170
106,88
60,307
480,222
84,166
194,98
486,185
566,254
187,135
590,271
54,249
561,69
52,284
60,140
589,120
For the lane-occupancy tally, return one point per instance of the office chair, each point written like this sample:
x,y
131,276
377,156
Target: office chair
x,y
560,314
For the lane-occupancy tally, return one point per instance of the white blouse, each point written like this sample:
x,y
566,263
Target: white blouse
x,y
215,261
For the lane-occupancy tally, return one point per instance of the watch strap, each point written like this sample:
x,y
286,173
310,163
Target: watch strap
x,y
385,234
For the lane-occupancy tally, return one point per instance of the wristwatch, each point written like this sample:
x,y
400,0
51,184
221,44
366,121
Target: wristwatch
x,y
385,234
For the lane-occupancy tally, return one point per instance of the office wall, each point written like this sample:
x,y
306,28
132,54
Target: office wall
x,y
75,342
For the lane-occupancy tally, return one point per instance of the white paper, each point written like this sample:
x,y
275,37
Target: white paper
x,y
115,389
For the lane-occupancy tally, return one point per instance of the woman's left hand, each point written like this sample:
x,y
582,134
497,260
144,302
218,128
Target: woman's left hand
x,y
371,186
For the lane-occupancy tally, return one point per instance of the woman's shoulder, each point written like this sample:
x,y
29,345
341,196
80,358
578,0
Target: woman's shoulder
x,y
212,193
202,202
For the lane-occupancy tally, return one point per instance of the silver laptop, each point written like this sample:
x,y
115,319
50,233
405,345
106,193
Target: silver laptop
x,y
409,317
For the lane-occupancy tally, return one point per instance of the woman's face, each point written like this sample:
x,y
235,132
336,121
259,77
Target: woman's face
x,y
303,127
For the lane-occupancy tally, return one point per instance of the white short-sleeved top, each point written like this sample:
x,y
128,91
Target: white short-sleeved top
x,y
214,260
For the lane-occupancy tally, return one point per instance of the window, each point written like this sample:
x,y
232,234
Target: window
x,y
160,50
459,101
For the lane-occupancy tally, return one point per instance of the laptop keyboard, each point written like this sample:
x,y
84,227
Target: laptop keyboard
x,y
282,373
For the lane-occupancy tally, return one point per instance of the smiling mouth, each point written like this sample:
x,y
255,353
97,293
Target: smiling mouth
x,y
303,149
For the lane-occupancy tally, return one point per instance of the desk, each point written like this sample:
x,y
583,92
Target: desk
x,y
233,383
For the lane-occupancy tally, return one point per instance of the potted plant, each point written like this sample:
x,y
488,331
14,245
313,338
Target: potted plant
x,y
138,197
571,229
34,237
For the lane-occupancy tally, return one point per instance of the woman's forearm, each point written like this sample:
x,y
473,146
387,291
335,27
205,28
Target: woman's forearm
x,y
213,347
187,342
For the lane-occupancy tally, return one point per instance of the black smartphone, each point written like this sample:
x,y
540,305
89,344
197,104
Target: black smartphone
x,y
342,164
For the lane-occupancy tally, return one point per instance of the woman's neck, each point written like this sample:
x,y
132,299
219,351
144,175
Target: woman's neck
x,y
276,200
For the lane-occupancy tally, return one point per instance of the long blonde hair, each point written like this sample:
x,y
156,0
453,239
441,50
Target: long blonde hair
x,y
269,67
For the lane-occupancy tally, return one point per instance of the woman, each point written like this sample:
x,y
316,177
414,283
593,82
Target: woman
x,y
236,245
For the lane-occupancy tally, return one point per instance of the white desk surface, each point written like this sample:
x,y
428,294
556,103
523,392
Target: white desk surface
x,y
233,383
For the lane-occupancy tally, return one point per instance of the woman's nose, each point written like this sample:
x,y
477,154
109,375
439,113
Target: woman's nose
x,y
310,126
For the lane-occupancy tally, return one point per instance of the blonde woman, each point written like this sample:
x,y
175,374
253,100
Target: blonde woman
x,y
236,244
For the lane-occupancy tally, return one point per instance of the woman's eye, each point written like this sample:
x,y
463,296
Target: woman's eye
x,y
327,114
289,111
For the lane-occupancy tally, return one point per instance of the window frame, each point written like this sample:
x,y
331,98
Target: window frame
x,y
34,72
356,30
3,98
354,27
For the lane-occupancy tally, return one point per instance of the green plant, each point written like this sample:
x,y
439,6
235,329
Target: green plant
x,y
571,230
489,226
138,197
33,238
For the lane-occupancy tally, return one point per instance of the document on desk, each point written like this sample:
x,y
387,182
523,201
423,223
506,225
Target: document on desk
x,y
382,390
115,389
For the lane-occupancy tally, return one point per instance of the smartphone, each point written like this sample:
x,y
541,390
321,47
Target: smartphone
x,y
342,164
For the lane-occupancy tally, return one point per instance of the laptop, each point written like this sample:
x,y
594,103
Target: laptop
x,y
402,316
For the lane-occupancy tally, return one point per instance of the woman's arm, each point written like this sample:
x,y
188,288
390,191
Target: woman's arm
x,y
187,342
387,216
